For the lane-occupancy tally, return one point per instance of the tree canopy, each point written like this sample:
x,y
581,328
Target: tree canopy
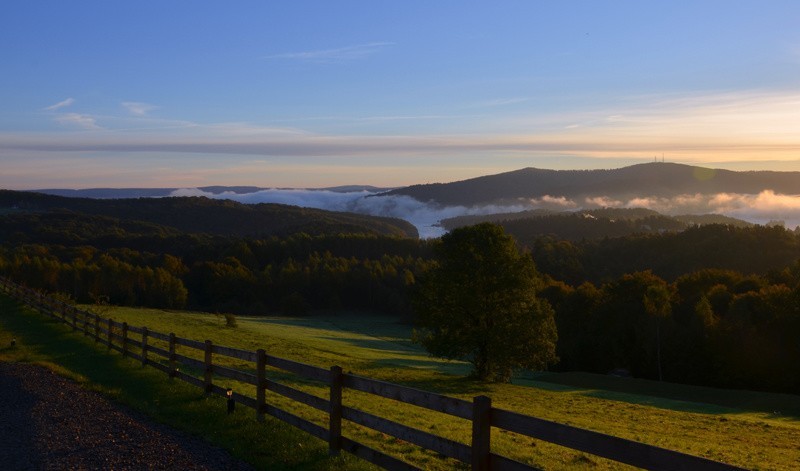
x,y
479,304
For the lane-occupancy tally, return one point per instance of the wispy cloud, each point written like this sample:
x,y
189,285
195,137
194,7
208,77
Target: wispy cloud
x,y
342,54
61,104
287,144
137,108
77,120
498,102
725,127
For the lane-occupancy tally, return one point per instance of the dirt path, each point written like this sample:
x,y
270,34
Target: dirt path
x,y
49,422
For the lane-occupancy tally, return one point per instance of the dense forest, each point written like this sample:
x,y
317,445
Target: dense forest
x,y
592,223
730,315
716,328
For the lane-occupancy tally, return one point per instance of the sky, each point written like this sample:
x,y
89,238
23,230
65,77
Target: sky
x,y
309,94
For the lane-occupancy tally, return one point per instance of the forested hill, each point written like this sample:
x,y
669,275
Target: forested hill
x,y
210,216
651,179
591,224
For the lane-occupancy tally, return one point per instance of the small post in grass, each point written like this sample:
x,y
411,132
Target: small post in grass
x,y
231,401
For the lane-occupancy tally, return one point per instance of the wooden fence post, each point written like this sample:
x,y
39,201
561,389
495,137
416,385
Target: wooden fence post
x,y
110,328
173,368
124,339
481,432
209,369
144,346
74,319
96,328
335,417
261,384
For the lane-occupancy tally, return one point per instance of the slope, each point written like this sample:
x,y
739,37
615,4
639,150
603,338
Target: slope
x,y
210,216
652,179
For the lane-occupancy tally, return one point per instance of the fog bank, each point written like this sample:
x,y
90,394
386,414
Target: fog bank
x,y
759,208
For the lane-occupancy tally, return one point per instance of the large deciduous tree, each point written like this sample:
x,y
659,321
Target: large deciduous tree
x,y
479,304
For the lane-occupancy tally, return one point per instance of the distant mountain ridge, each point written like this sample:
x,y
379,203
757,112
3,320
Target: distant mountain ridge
x,y
655,179
113,193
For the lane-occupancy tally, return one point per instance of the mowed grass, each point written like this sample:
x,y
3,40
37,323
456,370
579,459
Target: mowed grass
x,y
751,430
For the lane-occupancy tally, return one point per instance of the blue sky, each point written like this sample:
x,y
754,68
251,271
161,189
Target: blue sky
x,y
314,94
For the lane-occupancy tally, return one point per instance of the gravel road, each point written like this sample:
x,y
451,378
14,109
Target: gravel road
x,y
49,422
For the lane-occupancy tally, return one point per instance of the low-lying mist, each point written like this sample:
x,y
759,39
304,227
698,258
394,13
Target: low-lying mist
x,y
761,208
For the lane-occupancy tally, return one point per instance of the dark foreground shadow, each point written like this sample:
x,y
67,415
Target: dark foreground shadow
x,y
679,397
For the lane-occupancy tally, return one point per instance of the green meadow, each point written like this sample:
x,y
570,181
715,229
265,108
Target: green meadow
x,y
749,429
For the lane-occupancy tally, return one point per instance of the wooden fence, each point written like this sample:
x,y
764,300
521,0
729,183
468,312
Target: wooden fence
x,y
122,337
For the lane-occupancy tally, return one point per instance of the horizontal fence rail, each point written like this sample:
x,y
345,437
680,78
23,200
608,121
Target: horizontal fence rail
x,y
138,343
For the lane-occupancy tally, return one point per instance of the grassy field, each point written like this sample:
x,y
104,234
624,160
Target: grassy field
x,y
752,430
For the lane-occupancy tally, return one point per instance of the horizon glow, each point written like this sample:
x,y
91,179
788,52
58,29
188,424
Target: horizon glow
x,y
310,94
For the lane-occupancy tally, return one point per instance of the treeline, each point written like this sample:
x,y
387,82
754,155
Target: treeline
x,y
292,275
714,327
590,224
756,249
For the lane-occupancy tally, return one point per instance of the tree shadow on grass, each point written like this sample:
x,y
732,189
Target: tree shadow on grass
x,y
452,386
679,397
402,356
384,345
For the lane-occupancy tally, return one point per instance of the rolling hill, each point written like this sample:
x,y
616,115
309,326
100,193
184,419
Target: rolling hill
x,y
211,216
656,179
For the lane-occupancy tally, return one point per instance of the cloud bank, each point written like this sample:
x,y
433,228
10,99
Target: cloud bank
x,y
424,216
762,208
